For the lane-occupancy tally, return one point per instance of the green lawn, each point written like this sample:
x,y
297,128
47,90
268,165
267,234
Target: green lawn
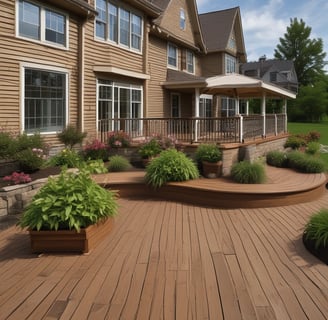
x,y
322,127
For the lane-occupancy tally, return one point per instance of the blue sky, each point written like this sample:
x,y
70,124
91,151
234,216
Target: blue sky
x,y
265,21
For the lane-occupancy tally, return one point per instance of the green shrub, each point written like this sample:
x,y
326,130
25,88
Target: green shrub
x,y
118,139
277,159
118,163
70,136
7,145
170,165
246,172
208,152
67,157
312,148
69,201
94,166
150,149
317,228
24,141
305,163
30,159
295,142
313,136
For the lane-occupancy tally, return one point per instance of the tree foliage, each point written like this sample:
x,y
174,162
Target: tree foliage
x,y
306,53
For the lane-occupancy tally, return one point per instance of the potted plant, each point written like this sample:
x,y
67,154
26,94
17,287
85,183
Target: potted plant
x,y
209,156
149,150
315,236
71,212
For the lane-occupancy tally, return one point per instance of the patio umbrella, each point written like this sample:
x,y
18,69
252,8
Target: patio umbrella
x,y
238,85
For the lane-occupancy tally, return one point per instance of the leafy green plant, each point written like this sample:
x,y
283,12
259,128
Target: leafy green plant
x,y
30,159
70,136
208,152
67,157
312,148
118,163
69,201
295,142
247,172
317,228
94,166
150,149
277,159
7,145
170,165
34,141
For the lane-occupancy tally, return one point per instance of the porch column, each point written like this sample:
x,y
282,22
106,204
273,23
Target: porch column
x,y
237,109
196,113
247,107
284,111
263,107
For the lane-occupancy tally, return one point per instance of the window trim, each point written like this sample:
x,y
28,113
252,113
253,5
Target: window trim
x,y
226,62
117,42
23,67
176,66
193,62
42,39
182,19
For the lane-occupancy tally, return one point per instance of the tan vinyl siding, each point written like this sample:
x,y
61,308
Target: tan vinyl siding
x,y
158,67
171,21
14,51
212,64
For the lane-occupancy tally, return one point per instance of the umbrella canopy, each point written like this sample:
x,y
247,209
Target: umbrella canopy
x,y
238,85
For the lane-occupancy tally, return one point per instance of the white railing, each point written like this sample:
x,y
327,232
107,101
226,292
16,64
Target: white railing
x,y
220,130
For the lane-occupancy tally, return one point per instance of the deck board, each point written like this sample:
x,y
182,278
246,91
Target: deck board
x,y
174,260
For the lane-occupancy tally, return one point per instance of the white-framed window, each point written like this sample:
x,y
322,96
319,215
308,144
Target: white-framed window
x,y
40,23
118,101
228,107
190,61
172,56
230,64
205,106
182,19
175,105
44,99
118,25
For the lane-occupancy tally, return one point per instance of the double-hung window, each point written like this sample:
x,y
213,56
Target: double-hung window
x,y
190,61
172,56
230,64
44,99
119,25
41,23
182,19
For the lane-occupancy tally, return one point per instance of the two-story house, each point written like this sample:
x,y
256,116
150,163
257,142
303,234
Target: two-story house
x,y
279,72
106,65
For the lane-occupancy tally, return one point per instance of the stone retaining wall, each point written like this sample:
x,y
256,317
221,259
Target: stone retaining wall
x,y
13,199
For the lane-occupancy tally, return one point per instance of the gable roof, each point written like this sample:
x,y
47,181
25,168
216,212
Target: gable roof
x,y
217,27
193,15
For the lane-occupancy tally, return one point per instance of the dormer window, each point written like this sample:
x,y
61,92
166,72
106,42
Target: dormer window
x,y
182,20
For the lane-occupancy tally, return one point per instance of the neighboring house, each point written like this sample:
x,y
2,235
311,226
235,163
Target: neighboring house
x,y
279,72
88,62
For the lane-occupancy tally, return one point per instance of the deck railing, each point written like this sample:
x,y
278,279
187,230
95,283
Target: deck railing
x,y
220,130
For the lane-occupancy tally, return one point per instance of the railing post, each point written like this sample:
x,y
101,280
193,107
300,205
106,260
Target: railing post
x,y
275,124
241,128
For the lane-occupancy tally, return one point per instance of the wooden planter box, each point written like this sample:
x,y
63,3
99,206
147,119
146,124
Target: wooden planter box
x,y
70,240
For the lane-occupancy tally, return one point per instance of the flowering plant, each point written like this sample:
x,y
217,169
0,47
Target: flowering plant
x,y
17,178
96,150
117,139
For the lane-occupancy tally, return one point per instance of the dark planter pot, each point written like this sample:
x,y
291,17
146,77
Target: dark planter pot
x,y
212,169
321,253
70,240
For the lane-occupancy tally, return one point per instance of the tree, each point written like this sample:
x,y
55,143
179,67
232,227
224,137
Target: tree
x,y
306,53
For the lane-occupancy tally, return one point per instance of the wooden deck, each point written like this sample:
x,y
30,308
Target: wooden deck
x,y
173,260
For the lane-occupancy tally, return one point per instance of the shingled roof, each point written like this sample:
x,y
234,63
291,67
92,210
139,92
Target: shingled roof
x,y
217,26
